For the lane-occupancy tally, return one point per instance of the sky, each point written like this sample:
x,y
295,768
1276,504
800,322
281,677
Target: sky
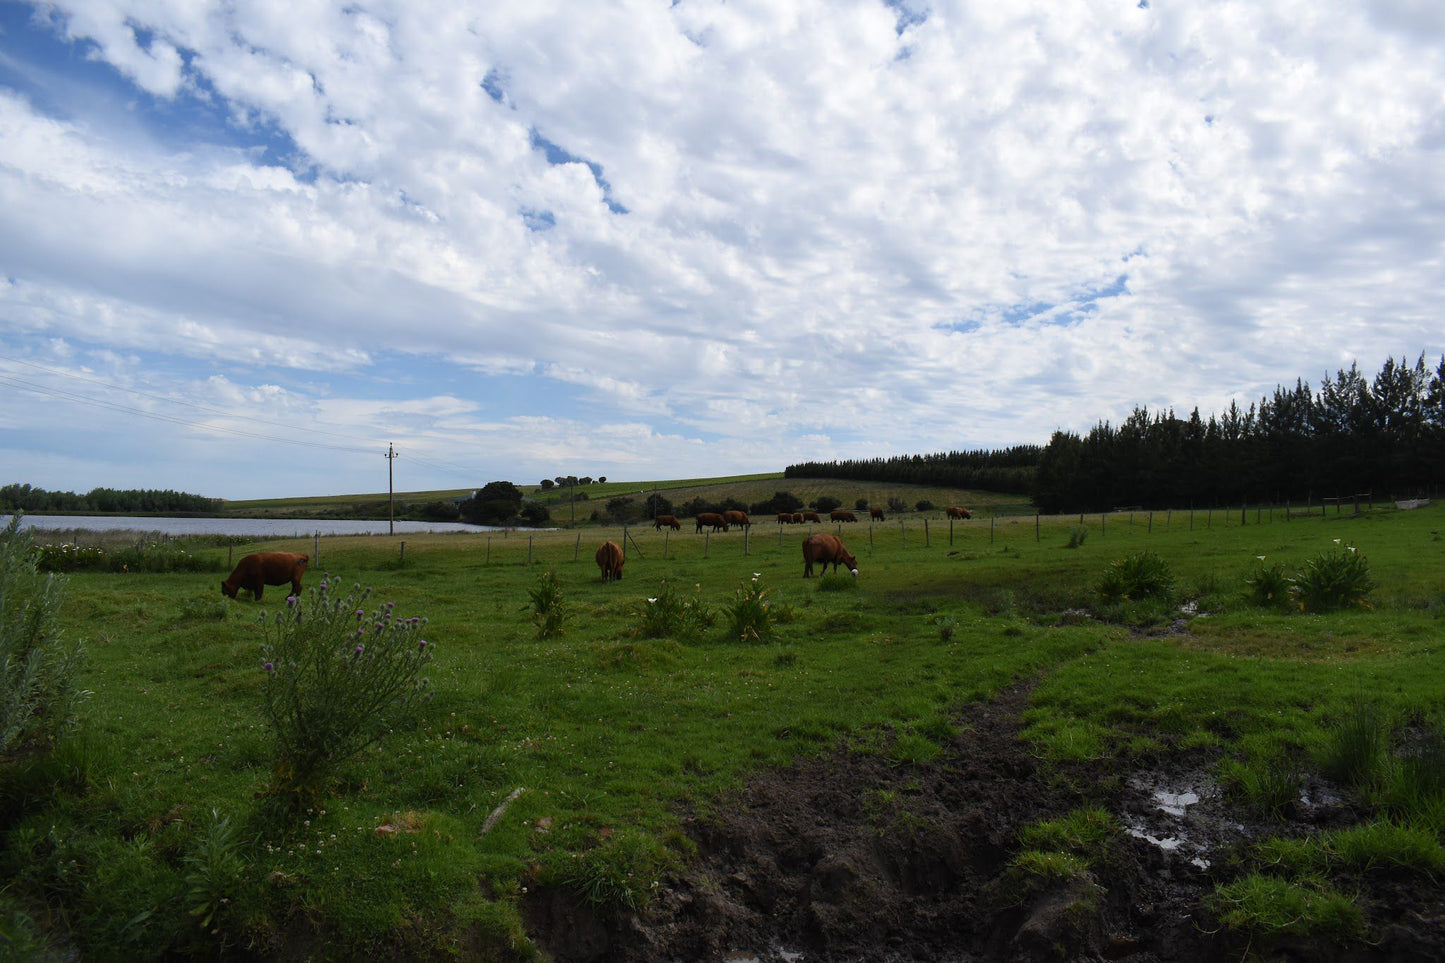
x,y
247,246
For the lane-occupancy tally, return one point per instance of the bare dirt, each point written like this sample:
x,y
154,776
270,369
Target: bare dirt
x,y
854,857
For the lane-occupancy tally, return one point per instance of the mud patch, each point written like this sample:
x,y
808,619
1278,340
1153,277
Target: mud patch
x,y
855,857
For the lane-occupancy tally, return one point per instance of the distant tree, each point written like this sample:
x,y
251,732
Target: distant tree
x,y
656,505
695,506
780,502
438,511
548,484
497,503
623,509
898,504
585,480
861,505
601,479
535,514
826,503
731,504
923,505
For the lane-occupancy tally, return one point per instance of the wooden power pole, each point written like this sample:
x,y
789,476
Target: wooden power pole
x,y
390,491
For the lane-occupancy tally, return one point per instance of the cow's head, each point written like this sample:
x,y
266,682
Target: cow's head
x,y
227,589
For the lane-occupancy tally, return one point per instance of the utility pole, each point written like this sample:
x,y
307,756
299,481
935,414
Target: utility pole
x,y
390,456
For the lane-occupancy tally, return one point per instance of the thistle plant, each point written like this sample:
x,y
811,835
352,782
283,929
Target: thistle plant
x,y
336,677
1138,576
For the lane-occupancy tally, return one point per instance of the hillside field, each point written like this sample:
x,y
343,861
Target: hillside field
x,y
955,752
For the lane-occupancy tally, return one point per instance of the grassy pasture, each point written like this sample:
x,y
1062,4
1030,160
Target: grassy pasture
x,y
609,736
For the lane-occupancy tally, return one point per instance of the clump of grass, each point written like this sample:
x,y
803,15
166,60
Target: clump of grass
x,y
1268,585
205,608
548,606
620,876
1270,786
1268,908
833,582
1084,834
1420,775
1077,535
914,748
335,678
1332,580
670,614
1143,575
1354,750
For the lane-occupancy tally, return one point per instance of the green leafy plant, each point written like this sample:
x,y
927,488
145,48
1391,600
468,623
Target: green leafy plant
x,y
548,606
1268,585
213,871
38,693
336,678
750,615
1143,575
670,614
1335,579
1077,535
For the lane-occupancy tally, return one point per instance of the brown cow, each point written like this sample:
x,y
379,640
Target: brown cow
x,y
876,513
785,518
841,516
797,518
812,517
740,519
255,572
826,548
712,520
609,559
953,511
669,520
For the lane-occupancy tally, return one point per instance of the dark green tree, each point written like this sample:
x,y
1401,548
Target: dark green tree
x,y
497,503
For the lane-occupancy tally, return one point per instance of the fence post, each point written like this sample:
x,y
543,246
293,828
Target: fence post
x,y
1150,529
903,533
529,547
228,556
489,549
1103,520
926,542
991,520
577,549
403,553
1036,526
316,547
950,531
747,532
666,537
706,541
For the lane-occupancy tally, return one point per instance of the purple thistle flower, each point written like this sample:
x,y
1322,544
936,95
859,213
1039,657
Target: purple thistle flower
x,y
360,614
360,649
422,644
269,667
291,600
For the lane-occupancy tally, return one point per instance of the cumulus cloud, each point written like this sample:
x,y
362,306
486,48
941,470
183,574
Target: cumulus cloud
x,y
780,231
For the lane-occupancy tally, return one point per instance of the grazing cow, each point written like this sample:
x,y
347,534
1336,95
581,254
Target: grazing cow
x,y
711,520
826,548
812,517
785,518
255,572
797,518
876,513
609,559
669,520
841,516
953,511
740,519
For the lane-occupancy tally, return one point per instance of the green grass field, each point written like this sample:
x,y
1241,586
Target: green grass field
x,y
600,734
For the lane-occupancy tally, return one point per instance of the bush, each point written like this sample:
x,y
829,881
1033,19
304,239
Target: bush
x,y
1268,586
38,695
1336,579
535,514
826,503
750,615
923,505
336,679
1077,536
623,509
672,615
1142,575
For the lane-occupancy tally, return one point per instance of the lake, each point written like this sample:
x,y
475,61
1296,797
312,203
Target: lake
x,y
248,527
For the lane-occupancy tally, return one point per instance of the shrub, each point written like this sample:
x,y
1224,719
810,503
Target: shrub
x,y
826,503
1077,536
38,695
750,616
896,504
923,505
1336,579
1139,576
860,505
336,679
548,606
535,514
672,615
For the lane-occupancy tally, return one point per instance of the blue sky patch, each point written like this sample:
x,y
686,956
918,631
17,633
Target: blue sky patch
x,y
556,154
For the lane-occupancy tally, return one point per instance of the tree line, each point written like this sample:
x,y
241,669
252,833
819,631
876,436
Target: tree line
x,y
1005,470
24,498
1354,435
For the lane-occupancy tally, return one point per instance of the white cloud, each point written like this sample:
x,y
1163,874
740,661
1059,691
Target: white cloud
x,y
836,235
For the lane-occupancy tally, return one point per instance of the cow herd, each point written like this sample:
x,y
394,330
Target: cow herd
x,y
255,572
